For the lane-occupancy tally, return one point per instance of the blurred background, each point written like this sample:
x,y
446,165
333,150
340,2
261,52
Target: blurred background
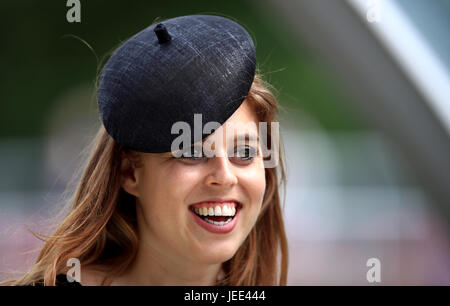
x,y
364,89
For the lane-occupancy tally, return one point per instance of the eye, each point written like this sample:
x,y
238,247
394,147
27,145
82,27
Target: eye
x,y
245,154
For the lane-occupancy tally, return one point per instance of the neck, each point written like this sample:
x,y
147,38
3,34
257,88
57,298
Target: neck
x,y
151,268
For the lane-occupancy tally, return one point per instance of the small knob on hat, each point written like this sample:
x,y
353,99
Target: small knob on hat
x,y
162,34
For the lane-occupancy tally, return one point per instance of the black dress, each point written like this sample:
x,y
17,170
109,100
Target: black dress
x,y
61,280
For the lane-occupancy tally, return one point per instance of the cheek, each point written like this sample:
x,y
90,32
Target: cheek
x,y
163,200
180,181
254,183
167,190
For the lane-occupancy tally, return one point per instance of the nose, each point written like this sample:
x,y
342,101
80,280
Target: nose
x,y
221,173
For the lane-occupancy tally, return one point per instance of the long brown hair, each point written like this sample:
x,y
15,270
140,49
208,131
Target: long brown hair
x,y
100,227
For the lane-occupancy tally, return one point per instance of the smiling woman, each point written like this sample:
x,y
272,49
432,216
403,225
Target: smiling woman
x,y
140,215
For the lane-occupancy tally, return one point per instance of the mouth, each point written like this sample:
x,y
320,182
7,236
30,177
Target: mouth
x,y
216,217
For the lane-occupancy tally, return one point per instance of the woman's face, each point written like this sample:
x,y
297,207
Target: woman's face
x,y
167,189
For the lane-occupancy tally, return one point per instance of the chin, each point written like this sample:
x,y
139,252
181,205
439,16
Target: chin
x,y
214,254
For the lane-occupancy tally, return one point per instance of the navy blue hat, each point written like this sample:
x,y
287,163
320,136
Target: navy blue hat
x,y
198,64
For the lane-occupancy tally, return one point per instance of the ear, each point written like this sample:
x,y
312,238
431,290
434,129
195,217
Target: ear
x,y
129,177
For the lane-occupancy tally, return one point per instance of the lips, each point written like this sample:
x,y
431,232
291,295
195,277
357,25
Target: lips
x,y
217,201
216,216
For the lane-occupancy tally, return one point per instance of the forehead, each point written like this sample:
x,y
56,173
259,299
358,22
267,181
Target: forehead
x,y
242,125
244,113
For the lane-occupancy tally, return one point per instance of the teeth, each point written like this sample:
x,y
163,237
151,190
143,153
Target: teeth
x,y
221,223
225,210
228,211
